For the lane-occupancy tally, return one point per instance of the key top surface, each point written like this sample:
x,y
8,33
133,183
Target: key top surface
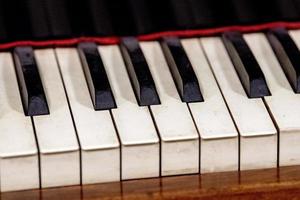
x,y
218,135
245,64
178,134
257,134
30,84
139,72
284,104
96,77
136,130
55,133
182,70
19,168
96,133
287,54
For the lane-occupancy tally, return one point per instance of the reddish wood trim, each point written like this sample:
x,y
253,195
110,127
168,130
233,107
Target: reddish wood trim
x,y
283,183
152,36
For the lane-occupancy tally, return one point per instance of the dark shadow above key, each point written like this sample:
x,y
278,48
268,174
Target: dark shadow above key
x,y
3,31
182,70
30,84
139,72
96,77
287,54
246,66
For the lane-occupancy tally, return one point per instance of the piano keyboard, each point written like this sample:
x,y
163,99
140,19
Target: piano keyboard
x,y
96,114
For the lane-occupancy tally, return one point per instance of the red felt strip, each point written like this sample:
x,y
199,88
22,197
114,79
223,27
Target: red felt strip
x,y
152,36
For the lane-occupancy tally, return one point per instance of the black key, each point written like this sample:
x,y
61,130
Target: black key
x,y
96,77
139,72
288,55
182,70
30,84
247,68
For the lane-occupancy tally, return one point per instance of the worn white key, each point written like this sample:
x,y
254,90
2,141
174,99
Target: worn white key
x,y
19,169
284,104
57,140
218,136
258,138
139,140
100,153
179,137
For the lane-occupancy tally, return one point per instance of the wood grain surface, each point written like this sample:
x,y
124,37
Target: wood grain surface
x,y
282,183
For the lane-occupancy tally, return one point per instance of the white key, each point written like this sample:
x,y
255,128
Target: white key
x,y
140,143
57,140
258,138
19,169
284,104
179,137
218,135
100,153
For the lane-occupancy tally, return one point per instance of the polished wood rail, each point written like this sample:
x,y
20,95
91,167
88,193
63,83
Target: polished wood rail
x,y
282,183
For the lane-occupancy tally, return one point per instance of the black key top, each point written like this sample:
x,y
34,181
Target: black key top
x,y
30,84
288,55
247,68
96,77
139,72
182,70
